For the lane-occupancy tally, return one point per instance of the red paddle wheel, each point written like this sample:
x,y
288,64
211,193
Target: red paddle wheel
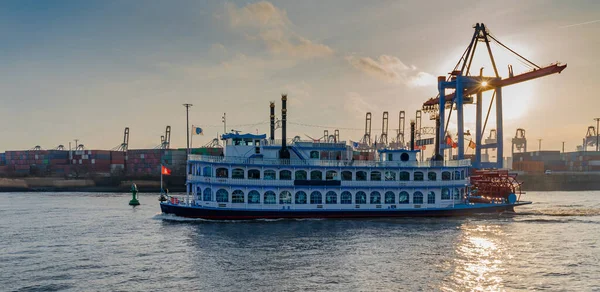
x,y
491,185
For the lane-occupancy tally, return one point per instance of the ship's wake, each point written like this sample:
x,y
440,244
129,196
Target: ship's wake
x,y
563,212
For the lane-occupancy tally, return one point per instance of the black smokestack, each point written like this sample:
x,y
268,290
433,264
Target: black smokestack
x,y
437,154
284,153
272,121
412,135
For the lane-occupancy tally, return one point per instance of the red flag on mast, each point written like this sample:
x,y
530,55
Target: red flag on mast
x,y
164,170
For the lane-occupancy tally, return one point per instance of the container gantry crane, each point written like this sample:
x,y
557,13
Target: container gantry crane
x,y
165,141
125,145
383,138
465,86
519,142
590,138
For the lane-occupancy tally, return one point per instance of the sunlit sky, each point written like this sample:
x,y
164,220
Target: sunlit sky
x,y
87,69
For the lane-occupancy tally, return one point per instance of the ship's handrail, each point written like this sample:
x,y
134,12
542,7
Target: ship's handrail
x,y
353,184
327,163
304,144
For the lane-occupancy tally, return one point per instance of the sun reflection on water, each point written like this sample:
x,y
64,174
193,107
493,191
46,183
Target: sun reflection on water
x,y
478,265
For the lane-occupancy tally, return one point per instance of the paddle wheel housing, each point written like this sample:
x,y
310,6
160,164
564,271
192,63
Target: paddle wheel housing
x,y
491,185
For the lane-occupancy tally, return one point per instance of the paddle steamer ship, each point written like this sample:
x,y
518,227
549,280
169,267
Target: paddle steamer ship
x,y
267,178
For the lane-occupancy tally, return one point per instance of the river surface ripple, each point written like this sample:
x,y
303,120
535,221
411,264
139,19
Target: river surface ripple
x,y
96,242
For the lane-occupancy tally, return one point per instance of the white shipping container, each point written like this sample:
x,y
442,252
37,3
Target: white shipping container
x,y
142,156
594,163
93,161
80,161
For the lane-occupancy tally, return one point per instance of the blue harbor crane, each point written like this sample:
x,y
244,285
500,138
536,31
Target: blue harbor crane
x,y
465,85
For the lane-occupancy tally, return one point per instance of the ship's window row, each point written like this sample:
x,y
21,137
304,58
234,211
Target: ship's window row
x,y
330,197
346,175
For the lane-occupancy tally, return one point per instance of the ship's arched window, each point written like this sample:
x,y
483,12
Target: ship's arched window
x,y
346,175
418,176
418,198
207,171
457,175
316,197
346,197
390,175
360,197
285,175
331,175
237,196
375,175
199,193
222,172
431,175
270,198
237,173
253,174
316,175
431,198
300,175
404,157
222,196
404,176
462,174
208,194
403,198
390,197
331,197
314,154
446,175
269,174
285,197
300,197
253,197
361,175
445,194
456,194
375,198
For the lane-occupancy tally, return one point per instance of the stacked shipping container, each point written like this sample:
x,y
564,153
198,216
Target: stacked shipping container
x,y
34,161
143,162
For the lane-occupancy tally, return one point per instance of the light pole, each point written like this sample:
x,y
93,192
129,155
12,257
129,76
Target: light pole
x,y
563,148
540,145
597,124
187,135
187,121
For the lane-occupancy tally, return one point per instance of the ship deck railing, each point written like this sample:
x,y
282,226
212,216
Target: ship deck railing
x,y
343,184
326,163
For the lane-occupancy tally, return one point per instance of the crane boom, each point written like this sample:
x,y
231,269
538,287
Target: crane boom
x,y
537,73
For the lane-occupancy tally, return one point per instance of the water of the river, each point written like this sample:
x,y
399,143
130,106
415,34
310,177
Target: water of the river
x,y
96,242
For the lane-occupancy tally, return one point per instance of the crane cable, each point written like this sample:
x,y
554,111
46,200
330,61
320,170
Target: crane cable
x,y
497,41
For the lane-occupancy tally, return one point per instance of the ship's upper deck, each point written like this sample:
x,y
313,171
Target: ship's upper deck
x,y
326,163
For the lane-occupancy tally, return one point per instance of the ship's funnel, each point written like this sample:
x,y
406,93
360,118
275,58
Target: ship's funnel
x,y
412,135
272,106
284,153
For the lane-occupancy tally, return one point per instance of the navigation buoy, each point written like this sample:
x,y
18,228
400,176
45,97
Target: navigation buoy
x,y
134,201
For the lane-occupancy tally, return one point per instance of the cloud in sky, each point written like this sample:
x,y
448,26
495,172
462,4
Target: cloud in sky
x,y
269,24
392,69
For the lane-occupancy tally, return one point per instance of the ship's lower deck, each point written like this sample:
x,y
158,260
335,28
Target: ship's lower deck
x,y
213,213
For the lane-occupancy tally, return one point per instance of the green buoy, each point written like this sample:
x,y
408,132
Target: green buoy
x,y
134,201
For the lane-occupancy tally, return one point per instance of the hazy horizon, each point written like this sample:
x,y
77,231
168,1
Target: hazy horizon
x,y
86,70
